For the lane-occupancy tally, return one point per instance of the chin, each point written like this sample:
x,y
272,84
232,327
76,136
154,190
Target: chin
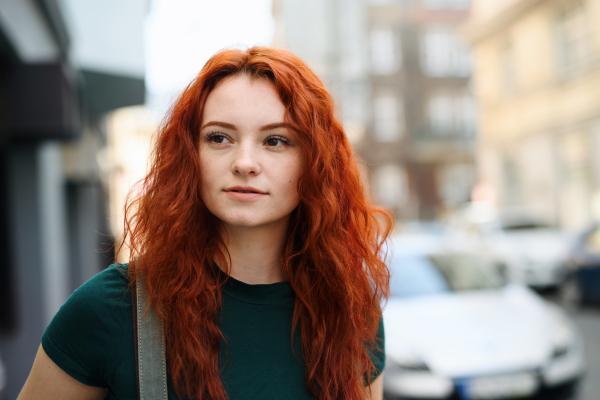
x,y
244,224
250,222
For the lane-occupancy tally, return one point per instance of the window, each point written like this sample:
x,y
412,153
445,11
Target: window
x,y
390,184
385,59
508,69
388,116
571,40
466,115
447,4
452,114
455,183
441,116
434,4
511,181
444,53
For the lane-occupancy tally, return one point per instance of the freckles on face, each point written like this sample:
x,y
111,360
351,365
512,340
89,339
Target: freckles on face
x,y
251,160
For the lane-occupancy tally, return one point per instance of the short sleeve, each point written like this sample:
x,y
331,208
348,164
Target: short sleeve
x,y
83,337
378,353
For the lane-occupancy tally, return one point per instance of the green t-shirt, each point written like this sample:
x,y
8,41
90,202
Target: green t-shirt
x,y
91,339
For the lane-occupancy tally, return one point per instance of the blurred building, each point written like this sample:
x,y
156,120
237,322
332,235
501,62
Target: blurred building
x,y
330,36
63,65
422,128
537,79
130,133
400,73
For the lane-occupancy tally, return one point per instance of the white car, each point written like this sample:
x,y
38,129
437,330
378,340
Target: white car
x,y
533,252
455,330
535,255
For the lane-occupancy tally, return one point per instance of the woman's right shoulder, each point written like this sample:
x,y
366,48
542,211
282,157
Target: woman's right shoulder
x,y
108,288
112,280
90,324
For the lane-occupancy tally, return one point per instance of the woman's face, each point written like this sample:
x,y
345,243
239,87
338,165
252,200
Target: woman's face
x,y
250,160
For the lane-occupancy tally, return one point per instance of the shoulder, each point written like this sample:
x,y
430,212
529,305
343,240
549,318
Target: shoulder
x,y
108,288
83,337
105,291
112,280
377,351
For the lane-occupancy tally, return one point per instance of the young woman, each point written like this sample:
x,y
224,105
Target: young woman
x,y
258,246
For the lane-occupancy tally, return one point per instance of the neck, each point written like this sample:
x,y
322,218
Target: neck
x,y
256,253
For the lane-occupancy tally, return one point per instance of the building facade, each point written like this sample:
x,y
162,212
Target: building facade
x,y
400,73
421,131
61,70
537,80
329,36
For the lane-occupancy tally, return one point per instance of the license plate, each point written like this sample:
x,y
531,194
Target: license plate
x,y
499,386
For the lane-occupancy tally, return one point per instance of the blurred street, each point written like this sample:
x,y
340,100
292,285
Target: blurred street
x,y
477,121
588,321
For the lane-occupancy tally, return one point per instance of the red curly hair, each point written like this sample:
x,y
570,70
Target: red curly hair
x,y
333,254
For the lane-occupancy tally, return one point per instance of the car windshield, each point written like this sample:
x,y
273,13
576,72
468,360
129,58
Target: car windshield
x,y
417,275
592,240
525,226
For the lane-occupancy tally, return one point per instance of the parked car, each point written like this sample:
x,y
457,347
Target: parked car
x,y
456,330
582,281
533,251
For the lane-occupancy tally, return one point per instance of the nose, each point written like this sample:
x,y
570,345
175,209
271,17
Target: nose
x,y
246,161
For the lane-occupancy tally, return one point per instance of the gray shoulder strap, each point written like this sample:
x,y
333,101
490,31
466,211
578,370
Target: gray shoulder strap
x,y
150,348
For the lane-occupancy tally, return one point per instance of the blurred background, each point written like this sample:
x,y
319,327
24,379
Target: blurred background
x,y
478,122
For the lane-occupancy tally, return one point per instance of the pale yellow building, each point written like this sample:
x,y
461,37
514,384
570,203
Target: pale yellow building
x,y
131,132
537,80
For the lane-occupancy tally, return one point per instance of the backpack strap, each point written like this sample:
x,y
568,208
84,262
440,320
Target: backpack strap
x,y
149,340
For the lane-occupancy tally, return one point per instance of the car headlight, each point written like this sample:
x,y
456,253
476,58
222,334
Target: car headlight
x,y
408,363
410,377
563,334
567,362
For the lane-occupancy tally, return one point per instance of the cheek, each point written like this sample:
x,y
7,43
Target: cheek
x,y
207,175
298,169
291,175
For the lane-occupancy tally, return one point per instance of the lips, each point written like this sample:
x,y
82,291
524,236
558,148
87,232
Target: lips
x,y
244,193
244,189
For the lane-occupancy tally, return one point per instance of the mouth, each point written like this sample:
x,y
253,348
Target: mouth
x,y
240,189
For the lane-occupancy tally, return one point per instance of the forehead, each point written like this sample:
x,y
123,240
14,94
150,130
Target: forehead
x,y
242,101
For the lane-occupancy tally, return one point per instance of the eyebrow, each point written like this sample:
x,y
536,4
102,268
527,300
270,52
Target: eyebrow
x,y
267,127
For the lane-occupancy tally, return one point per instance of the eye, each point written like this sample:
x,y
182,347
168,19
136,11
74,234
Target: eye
x,y
276,141
217,137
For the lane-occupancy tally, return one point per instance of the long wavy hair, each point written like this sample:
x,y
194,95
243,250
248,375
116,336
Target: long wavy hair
x,y
332,257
